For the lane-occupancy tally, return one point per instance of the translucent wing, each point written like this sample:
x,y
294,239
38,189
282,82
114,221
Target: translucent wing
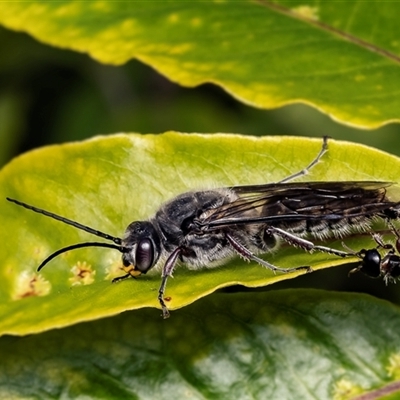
x,y
312,201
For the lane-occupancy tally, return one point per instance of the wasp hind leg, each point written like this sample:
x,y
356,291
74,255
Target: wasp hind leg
x,y
248,255
303,243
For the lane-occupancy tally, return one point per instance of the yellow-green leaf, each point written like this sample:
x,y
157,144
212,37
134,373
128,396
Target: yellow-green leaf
x,y
108,182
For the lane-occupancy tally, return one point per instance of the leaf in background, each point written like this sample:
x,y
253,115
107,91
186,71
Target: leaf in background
x,y
341,58
108,182
287,344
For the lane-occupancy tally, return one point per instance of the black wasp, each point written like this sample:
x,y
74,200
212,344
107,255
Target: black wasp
x,y
204,228
376,266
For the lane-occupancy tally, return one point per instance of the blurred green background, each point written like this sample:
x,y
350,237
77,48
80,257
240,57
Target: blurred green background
x,y
51,96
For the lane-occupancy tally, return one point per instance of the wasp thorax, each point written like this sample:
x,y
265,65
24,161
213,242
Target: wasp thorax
x,y
142,245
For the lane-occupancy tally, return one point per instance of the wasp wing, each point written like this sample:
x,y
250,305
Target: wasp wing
x,y
312,201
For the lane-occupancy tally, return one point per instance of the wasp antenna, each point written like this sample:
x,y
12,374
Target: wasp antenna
x,y
79,246
67,221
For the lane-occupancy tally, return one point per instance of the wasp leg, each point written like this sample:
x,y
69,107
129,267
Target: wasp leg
x,y
166,272
303,243
130,272
316,160
379,241
121,278
248,255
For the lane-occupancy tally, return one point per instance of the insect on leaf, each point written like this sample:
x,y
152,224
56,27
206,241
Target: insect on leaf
x,y
108,182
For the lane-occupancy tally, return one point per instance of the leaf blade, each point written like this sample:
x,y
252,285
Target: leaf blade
x,y
108,182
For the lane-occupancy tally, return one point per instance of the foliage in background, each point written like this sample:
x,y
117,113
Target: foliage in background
x,y
253,49
51,95
303,344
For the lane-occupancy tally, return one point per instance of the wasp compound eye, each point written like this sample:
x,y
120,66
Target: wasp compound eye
x,y
144,256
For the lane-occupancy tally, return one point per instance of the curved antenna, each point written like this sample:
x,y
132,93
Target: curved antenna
x,y
75,224
78,246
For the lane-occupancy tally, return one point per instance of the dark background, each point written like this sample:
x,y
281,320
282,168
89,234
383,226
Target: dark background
x,y
50,96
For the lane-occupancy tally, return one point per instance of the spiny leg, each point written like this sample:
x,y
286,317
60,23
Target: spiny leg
x,y
248,255
303,243
316,160
379,241
166,272
396,233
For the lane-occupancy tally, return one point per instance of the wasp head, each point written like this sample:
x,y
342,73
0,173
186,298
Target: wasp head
x,y
141,245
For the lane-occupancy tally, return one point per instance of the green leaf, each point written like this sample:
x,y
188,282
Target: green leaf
x,y
288,344
342,59
108,182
